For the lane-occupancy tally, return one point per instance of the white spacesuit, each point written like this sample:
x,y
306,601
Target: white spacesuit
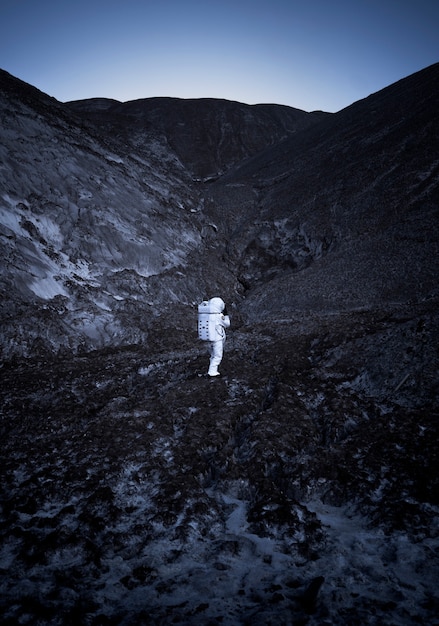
x,y
222,321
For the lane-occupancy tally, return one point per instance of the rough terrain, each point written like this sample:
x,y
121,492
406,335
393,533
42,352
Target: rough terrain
x,y
300,487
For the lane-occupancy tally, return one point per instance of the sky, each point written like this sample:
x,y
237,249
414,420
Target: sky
x,y
307,54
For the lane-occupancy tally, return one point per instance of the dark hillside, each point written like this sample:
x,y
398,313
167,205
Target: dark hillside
x,y
208,136
353,201
301,486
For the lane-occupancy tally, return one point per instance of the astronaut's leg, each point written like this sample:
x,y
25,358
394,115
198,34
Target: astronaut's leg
x,y
216,354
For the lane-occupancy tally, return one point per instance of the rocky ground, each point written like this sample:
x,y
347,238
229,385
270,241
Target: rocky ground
x,y
299,488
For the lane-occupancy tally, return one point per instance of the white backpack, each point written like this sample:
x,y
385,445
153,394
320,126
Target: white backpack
x,y
206,322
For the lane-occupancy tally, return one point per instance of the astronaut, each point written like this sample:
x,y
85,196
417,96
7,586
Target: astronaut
x,y
221,321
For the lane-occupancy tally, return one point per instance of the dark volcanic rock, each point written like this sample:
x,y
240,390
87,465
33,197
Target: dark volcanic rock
x,y
344,214
300,487
131,486
208,136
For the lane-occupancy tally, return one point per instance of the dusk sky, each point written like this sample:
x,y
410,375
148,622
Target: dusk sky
x,y
308,54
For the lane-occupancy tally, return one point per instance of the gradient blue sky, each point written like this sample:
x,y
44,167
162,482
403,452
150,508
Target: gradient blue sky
x,y
308,54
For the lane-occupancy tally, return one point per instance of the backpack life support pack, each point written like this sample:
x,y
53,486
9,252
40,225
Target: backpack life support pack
x,y
207,320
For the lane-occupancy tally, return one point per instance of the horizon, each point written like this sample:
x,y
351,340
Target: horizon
x,y
308,56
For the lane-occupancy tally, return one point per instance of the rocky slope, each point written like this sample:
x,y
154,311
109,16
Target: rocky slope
x,y
301,487
345,213
208,136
